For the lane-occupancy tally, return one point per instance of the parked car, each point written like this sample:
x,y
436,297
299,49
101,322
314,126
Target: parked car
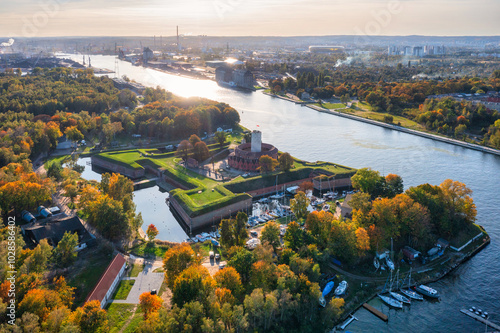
x,y
211,254
222,266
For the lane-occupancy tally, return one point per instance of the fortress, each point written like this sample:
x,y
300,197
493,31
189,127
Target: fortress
x,y
246,156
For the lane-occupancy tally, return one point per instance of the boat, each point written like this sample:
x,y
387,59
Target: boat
x,y
341,288
427,291
376,263
410,293
389,263
214,242
391,301
399,297
326,208
328,288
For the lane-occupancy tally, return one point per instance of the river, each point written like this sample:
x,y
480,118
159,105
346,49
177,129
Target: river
x,y
313,136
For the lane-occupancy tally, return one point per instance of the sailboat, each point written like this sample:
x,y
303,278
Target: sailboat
x,y
389,300
397,296
410,293
328,288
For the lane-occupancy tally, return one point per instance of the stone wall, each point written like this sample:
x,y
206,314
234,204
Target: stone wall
x,y
113,167
212,217
332,184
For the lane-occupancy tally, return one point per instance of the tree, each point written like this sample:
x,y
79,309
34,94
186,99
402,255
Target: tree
x,y
201,151
233,231
306,186
393,185
149,303
109,218
271,235
267,164
194,139
73,134
55,170
368,181
294,238
363,240
242,261
193,284
91,318
152,232
285,161
299,205
40,302
65,253
220,137
37,261
184,150
229,278
177,259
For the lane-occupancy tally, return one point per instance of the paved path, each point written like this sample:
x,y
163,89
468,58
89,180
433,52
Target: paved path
x,y
144,282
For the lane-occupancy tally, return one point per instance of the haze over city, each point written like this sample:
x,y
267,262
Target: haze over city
x,y
30,18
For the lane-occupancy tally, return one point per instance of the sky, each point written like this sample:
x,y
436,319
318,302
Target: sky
x,y
42,18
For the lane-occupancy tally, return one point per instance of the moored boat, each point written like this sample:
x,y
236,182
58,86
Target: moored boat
x,y
411,294
391,301
427,291
399,297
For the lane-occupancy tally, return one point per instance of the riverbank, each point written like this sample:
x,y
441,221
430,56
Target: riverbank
x,y
408,131
476,245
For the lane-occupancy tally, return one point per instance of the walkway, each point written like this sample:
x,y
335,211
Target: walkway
x,y
144,282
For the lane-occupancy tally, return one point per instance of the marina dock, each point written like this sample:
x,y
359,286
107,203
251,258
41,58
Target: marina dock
x,y
347,322
375,312
481,319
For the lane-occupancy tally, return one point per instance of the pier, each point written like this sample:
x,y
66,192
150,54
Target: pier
x,y
375,312
481,319
347,322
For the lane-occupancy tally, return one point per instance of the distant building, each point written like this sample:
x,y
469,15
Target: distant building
x,y
246,156
326,49
147,55
108,282
241,78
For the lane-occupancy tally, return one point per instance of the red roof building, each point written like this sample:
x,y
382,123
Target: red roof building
x,y
109,280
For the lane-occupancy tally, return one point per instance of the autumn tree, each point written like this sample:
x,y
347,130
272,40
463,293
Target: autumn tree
x,y
184,150
177,259
90,318
285,161
271,234
267,164
299,205
149,303
229,278
306,186
393,185
201,151
73,134
152,232
193,284
194,139
65,253
40,302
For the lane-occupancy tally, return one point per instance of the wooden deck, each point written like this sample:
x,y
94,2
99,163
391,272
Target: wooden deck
x,y
375,312
481,319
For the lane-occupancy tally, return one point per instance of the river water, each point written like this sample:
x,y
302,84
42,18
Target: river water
x,y
314,136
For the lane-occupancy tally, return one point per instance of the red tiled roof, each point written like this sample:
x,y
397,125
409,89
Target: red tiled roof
x,y
107,279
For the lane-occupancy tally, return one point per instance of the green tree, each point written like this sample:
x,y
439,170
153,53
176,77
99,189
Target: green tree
x,y
368,181
299,205
73,134
220,137
294,236
285,161
65,253
271,235
242,261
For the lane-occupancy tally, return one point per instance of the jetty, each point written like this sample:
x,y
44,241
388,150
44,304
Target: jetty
x,y
347,322
481,319
375,312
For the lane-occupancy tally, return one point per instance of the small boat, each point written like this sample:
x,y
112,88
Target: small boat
x,y
326,208
319,202
376,263
341,288
427,291
411,294
389,263
328,288
214,242
391,301
399,297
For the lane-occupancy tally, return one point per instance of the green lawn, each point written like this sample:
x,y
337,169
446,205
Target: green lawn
x,y
118,314
135,270
136,321
331,105
123,289
365,110
59,159
148,249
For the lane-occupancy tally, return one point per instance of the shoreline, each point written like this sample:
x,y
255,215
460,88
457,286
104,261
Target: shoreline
x,y
428,280
409,131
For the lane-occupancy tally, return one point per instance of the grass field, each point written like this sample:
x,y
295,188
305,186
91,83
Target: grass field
x,y
364,110
123,289
148,249
135,270
331,105
118,314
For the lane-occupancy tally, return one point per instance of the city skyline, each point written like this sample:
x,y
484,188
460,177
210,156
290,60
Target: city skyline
x,y
48,18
